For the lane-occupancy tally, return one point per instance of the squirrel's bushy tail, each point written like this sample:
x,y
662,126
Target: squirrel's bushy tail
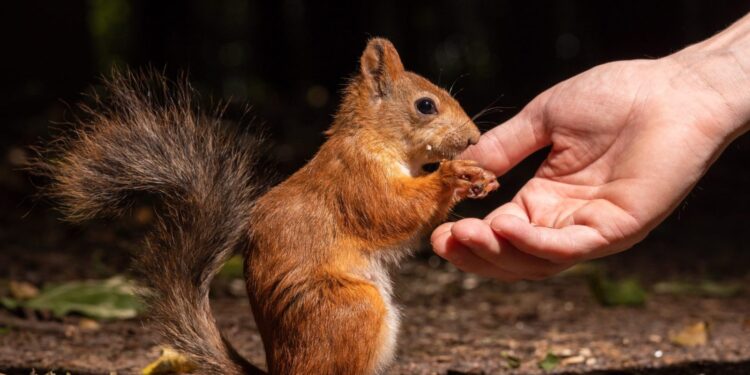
x,y
147,137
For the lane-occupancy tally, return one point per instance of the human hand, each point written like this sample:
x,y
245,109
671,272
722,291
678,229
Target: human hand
x,y
629,141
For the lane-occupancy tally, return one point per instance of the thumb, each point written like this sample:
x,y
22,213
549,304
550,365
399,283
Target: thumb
x,y
501,148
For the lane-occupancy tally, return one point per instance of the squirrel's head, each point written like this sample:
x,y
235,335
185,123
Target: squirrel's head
x,y
405,109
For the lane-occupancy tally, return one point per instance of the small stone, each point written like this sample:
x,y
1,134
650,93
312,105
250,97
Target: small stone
x,y
658,354
70,330
470,282
586,352
590,361
655,338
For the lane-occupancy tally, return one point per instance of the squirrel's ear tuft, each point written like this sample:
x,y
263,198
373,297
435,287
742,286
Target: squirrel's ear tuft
x,y
380,65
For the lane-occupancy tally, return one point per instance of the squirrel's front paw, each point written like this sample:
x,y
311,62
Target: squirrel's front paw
x,y
468,179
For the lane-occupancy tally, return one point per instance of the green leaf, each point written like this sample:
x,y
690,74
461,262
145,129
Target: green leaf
x,y
625,292
113,298
704,288
549,362
233,268
9,303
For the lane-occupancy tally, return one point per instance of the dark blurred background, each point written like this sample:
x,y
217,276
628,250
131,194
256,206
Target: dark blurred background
x,y
289,59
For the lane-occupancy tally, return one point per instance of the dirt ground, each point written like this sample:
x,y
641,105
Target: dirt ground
x,y
453,324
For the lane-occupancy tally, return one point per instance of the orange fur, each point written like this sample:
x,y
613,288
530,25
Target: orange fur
x,y
322,239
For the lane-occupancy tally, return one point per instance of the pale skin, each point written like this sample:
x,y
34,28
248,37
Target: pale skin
x,y
629,140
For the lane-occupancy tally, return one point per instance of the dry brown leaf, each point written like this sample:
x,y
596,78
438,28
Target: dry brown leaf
x,y
691,335
22,290
170,362
87,324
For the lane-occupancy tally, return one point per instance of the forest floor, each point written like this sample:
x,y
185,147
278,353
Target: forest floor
x,y
453,323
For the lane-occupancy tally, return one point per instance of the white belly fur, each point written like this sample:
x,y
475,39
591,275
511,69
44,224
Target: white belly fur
x,y
378,274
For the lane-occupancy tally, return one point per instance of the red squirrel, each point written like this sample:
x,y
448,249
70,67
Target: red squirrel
x,y
317,247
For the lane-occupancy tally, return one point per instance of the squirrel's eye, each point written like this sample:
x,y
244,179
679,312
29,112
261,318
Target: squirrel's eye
x,y
426,106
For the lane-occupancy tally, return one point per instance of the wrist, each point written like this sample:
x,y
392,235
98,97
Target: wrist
x,y
720,66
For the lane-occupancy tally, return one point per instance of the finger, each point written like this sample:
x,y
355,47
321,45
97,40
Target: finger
x,y
568,244
451,250
482,241
440,230
507,144
510,208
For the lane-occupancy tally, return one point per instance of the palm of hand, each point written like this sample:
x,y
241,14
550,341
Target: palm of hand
x,y
626,143
584,185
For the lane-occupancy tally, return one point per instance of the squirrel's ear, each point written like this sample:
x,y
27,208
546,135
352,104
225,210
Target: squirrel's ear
x,y
380,65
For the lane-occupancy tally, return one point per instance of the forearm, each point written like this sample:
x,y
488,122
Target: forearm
x,y
722,64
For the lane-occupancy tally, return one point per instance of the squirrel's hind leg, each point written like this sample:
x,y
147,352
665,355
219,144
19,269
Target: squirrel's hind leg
x,y
342,325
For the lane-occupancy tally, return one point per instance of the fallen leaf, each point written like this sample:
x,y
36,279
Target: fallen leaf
x,y
22,290
112,298
691,335
574,360
170,362
88,324
705,288
549,362
624,292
